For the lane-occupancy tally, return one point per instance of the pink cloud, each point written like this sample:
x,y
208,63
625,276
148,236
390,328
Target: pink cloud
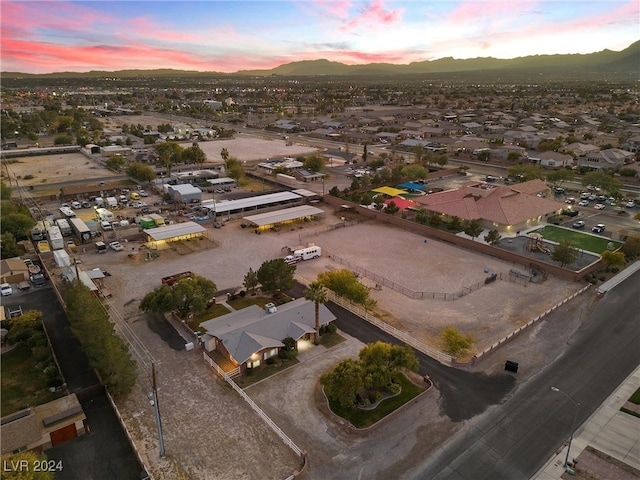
x,y
372,15
334,9
472,11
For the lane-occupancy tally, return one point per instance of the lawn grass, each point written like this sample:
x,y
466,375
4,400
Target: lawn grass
x,y
216,311
22,383
360,418
265,372
329,340
243,302
580,240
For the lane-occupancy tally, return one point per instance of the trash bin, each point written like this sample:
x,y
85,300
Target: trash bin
x,y
511,366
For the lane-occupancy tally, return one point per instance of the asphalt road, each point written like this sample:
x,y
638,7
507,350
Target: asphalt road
x,y
514,440
464,394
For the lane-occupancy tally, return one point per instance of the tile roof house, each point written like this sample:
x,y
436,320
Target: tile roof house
x,y
551,159
505,208
251,336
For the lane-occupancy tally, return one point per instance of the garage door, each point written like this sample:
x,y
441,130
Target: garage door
x,y
64,434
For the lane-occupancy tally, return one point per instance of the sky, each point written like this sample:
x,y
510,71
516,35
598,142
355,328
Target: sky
x,y
228,36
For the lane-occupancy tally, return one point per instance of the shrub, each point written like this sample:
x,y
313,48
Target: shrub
x,y
332,328
394,388
374,396
271,361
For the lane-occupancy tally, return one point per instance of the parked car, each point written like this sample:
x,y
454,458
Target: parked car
x,y
5,289
630,204
142,193
592,198
106,226
578,224
599,228
116,246
599,206
583,203
559,191
570,200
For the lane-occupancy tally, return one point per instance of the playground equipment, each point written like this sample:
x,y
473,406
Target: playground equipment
x,y
536,244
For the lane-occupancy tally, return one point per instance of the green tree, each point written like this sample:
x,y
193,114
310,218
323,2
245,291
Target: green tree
x,y
8,246
613,259
115,162
316,293
514,156
344,382
564,253
484,155
106,351
276,275
560,176
455,223
380,360
9,472
526,172
422,216
493,237
414,171
392,208
224,153
344,283
473,228
631,246
605,182
314,163
454,342
5,191
251,280
64,139
141,172
187,296
196,155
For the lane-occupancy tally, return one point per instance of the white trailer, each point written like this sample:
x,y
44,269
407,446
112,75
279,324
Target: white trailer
x,y
55,238
104,215
65,228
308,253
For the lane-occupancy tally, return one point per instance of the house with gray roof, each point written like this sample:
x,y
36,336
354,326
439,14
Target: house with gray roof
x,y
249,337
610,159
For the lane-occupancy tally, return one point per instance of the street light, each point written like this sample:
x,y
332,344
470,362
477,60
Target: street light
x,y
573,425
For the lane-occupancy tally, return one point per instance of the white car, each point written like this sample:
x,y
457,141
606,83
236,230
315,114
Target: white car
x,y
116,246
631,204
106,226
599,206
5,289
142,193
583,203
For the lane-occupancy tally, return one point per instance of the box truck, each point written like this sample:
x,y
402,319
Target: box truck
x,y
80,229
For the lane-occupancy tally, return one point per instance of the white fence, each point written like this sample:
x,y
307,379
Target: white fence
x,y
253,405
400,335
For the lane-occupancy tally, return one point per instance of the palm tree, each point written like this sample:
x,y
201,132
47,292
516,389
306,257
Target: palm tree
x,y
317,293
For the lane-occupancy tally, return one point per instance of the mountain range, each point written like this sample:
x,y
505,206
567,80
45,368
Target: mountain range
x,y
625,63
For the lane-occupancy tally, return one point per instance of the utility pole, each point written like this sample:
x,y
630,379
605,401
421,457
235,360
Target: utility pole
x,y
157,409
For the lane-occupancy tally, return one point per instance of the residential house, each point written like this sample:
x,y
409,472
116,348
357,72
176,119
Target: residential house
x,y
42,427
249,337
610,159
13,270
551,159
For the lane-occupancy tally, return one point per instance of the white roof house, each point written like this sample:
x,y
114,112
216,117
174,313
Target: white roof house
x,y
244,333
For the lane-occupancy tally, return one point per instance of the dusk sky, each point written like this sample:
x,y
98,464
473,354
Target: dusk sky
x,y
227,36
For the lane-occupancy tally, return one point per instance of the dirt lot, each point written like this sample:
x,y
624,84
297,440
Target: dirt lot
x,y
211,433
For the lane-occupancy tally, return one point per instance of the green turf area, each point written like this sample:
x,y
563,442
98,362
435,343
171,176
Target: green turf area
x,y
361,418
580,240
23,384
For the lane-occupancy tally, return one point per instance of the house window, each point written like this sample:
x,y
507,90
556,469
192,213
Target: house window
x,y
253,363
271,353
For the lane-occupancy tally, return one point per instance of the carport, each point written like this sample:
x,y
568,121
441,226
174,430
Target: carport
x,y
302,213
160,238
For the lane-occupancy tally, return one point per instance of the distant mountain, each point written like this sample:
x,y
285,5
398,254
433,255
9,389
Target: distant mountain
x,y
625,63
